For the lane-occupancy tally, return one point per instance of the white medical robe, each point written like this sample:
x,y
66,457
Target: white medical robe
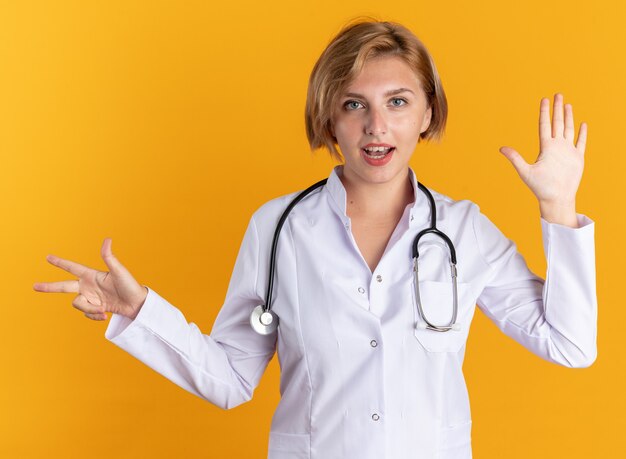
x,y
358,380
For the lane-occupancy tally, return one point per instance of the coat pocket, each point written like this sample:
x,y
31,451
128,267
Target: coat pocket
x,y
289,446
455,442
437,304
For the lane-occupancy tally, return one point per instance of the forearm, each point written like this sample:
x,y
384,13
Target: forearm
x,y
555,319
161,337
569,294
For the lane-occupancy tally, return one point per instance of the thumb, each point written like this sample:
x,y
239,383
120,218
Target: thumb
x,y
516,159
115,267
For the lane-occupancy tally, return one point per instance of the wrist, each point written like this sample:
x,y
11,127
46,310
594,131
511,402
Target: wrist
x,y
140,303
562,213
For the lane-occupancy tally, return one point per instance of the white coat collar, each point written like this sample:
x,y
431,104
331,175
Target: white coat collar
x,y
418,211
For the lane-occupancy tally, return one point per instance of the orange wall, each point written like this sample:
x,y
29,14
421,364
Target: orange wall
x,y
164,125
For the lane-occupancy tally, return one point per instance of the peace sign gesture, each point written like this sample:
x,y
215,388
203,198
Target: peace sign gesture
x,y
557,171
99,292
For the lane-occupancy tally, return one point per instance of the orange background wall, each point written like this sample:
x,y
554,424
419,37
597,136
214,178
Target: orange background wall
x,y
164,125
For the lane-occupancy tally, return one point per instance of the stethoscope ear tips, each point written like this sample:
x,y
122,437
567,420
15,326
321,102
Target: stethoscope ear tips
x,y
262,321
456,327
422,326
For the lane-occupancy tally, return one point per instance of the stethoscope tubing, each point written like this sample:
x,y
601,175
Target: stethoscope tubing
x,y
265,321
281,222
433,227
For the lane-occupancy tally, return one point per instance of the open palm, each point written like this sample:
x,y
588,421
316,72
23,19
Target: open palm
x,y
557,171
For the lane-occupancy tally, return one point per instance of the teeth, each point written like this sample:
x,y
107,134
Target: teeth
x,y
373,149
383,150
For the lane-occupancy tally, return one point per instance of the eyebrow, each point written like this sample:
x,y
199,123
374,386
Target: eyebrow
x,y
392,92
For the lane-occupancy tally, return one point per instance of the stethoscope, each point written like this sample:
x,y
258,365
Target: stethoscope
x,y
265,321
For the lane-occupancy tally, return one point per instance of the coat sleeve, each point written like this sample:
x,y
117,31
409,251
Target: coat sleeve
x,y
556,318
225,367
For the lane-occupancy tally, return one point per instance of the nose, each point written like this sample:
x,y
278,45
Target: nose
x,y
375,123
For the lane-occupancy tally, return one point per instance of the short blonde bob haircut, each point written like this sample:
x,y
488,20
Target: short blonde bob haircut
x,y
343,59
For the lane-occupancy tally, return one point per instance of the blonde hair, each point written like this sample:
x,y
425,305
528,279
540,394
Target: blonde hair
x,y
343,59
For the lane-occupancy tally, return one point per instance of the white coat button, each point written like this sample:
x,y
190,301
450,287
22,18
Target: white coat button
x,y
375,417
379,278
373,343
361,290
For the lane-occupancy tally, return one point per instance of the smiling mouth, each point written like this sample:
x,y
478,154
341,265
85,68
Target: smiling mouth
x,y
378,152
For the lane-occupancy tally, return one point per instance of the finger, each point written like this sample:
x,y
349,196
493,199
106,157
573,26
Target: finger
x,y
70,286
70,266
82,304
110,260
582,138
557,116
569,122
516,159
545,128
96,316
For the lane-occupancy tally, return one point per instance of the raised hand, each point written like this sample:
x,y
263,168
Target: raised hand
x,y
555,176
99,292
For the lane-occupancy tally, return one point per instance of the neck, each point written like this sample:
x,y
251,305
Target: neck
x,y
378,200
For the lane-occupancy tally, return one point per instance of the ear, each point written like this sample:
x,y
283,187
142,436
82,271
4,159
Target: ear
x,y
426,121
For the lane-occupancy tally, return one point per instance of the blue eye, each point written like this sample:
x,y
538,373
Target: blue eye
x,y
398,102
352,105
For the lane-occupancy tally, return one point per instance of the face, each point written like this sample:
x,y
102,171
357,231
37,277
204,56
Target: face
x,y
378,119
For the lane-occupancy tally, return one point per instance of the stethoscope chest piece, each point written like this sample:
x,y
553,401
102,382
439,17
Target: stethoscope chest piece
x,y
262,321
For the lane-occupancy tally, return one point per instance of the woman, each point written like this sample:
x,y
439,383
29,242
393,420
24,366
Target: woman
x,y
367,370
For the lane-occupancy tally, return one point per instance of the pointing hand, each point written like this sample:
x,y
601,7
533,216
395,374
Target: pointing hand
x,y
99,292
